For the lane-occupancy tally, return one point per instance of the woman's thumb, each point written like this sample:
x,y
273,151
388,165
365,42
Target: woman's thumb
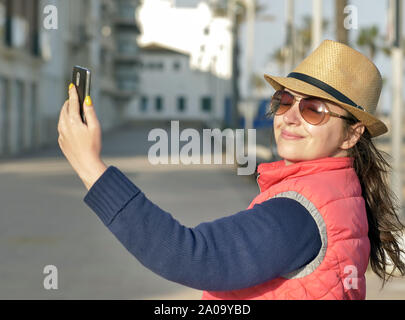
x,y
89,113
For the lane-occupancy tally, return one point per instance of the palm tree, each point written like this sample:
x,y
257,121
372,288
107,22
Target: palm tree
x,y
258,83
280,57
369,39
220,8
304,36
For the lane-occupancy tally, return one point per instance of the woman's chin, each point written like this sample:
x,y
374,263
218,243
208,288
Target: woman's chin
x,y
291,155
291,159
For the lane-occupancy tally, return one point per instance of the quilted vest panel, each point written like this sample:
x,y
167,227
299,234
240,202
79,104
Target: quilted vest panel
x,y
330,190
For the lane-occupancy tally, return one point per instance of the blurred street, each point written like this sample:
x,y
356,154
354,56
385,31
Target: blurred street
x,y
46,222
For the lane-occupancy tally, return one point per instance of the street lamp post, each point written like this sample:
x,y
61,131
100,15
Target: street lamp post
x,y
232,14
396,120
316,23
290,34
250,14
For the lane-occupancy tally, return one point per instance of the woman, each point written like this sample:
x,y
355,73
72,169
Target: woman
x,y
322,214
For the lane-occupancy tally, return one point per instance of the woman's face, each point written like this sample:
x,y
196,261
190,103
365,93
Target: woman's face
x,y
316,141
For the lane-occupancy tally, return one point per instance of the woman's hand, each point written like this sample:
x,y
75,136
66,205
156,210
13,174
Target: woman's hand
x,y
80,142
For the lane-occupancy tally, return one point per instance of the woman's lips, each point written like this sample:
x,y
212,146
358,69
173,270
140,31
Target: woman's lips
x,y
289,136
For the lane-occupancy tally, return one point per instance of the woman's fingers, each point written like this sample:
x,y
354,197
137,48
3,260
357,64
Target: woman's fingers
x,y
62,117
73,107
81,144
90,114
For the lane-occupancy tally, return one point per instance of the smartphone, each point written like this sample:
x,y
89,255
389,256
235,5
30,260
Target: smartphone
x,y
81,78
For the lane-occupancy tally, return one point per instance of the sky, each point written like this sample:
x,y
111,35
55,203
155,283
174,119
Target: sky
x,y
270,35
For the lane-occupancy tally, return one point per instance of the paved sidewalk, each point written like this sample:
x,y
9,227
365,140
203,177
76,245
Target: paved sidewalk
x,y
46,222
393,290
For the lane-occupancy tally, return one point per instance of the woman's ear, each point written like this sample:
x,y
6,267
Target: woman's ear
x,y
353,135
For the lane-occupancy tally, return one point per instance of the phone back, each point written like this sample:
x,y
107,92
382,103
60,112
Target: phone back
x,y
81,79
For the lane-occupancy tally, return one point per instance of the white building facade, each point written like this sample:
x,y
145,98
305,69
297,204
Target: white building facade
x,y
40,42
186,63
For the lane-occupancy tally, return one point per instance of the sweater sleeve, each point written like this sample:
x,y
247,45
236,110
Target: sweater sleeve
x,y
238,251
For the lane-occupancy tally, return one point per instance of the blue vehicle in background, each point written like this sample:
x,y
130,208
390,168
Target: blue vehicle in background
x,y
260,120
264,131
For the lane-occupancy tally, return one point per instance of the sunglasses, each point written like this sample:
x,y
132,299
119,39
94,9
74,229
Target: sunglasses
x,y
312,110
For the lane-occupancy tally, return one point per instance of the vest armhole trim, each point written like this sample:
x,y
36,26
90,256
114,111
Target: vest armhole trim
x,y
316,215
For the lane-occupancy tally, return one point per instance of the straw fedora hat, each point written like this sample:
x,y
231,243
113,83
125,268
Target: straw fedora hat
x,y
338,73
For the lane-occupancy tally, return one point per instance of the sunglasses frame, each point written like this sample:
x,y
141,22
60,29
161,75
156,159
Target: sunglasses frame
x,y
326,113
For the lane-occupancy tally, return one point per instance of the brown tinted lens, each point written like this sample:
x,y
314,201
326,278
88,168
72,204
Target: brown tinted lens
x,y
281,102
313,111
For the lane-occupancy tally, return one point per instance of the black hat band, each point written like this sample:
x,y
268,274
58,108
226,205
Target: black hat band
x,y
325,87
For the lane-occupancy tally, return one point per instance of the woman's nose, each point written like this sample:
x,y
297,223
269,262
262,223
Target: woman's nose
x,y
292,115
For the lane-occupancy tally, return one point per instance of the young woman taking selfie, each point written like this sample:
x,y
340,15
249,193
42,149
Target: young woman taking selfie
x,y
324,212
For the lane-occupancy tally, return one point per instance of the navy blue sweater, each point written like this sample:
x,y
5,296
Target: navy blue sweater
x,y
238,251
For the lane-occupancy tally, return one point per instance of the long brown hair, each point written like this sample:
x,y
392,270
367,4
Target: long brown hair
x,y
384,225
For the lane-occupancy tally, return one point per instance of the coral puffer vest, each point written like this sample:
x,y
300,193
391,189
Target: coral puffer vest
x,y
330,190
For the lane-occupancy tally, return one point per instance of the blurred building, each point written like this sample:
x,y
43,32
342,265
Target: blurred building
x,y
20,71
186,58
40,42
171,89
126,58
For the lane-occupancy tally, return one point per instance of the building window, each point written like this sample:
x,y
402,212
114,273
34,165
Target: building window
x,y
206,104
22,25
126,42
176,65
32,13
144,104
7,23
155,66
159,103
181,104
